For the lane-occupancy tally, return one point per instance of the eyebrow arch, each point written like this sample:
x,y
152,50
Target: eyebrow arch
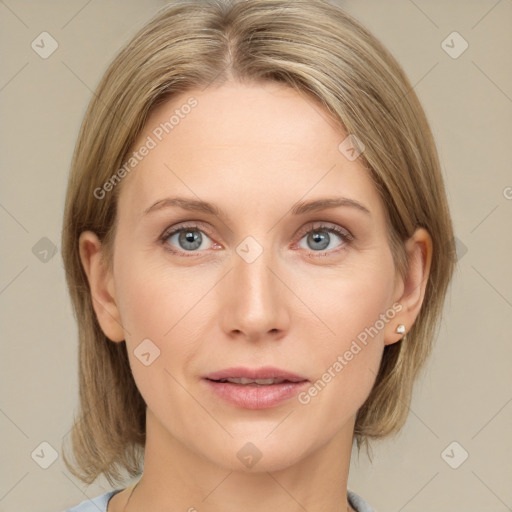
x,y
297,209
326,203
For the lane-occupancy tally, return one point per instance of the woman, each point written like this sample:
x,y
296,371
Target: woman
x,y
224,357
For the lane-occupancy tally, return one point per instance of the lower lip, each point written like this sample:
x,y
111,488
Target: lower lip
x,y
252,396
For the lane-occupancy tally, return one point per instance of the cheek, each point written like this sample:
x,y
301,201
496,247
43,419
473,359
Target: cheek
x,y
355,309
141,306
360,304
158,302
352,298
153,313
352,359
148,293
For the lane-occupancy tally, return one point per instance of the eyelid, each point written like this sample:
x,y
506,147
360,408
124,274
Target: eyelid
x,y
191,224
327,226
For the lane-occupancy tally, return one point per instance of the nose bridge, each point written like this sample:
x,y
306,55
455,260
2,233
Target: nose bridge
x,y
256,304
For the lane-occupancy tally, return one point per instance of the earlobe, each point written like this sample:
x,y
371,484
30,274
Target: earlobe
x,y
101,285
419,255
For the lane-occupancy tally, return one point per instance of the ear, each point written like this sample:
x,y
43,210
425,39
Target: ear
x,y
409,292
101,284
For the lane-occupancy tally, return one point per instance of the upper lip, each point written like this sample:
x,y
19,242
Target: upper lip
x,y
265,372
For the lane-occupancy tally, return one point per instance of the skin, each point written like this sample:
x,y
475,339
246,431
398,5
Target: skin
x,y
253,150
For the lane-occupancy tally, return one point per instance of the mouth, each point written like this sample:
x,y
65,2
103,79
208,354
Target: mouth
x,y
255,382
266,375
255,388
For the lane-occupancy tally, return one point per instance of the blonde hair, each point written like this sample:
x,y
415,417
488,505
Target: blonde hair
x,y
318,49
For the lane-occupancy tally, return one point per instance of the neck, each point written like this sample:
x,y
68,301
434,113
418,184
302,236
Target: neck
x,y
175,475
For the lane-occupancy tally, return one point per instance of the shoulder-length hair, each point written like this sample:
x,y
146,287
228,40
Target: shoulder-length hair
x,y
321,51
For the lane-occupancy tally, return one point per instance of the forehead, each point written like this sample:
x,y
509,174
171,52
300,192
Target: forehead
x,y
245,141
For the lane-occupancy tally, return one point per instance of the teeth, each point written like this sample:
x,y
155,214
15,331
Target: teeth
x,y
261,382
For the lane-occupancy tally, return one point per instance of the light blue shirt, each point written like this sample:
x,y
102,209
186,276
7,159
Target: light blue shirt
x,y
99,504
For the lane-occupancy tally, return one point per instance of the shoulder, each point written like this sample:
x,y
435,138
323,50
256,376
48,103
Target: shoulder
x,y
98,504
358,503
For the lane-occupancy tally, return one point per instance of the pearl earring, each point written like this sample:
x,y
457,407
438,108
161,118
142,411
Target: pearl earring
x,y
400,329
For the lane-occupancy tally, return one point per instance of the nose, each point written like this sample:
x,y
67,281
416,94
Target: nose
x,y
254,299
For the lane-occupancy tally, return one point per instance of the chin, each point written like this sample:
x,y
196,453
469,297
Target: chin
x,y
254,454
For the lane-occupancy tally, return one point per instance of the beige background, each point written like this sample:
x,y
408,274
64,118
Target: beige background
x,y
465,394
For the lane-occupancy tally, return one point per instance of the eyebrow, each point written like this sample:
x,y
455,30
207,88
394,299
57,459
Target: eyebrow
x,y
299,208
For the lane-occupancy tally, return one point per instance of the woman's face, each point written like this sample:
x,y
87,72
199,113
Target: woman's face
x,y
252,286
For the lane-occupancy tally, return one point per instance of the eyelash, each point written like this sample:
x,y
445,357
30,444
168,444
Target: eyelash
x,y
344,234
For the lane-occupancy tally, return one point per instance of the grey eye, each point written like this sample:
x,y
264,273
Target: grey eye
x,y
188,239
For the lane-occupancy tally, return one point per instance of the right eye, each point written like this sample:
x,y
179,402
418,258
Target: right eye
x,y
184,239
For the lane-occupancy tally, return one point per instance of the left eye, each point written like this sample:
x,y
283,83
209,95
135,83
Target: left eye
x,y
320,239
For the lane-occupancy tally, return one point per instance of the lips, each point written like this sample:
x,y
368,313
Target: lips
x,y
258,388
265,375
